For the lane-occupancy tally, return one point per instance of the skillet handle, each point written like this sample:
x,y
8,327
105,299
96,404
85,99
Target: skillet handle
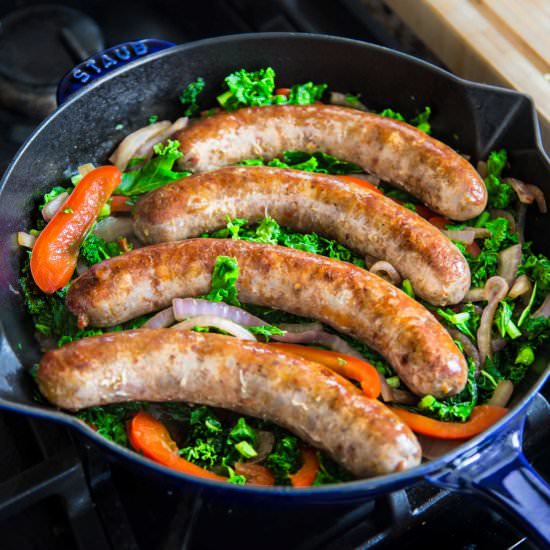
x,y
105,61
499,472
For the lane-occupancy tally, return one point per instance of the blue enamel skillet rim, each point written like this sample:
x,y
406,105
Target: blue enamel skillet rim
x,y
506,431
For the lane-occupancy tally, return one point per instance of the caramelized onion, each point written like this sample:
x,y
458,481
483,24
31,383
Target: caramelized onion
x,y
469,348
86,169
496,290
25,239
465,236
502,394
114,227
475,295
216,322
521,285
508,263
338,98
527,193
265,441
386,271
192,307
51,208
544,309
482,169
498,213
162,319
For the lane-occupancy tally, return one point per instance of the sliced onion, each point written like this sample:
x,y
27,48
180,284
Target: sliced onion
x,y
304,334
465,236
25,239
51,208
482,169
502,394
539,198
386,271
475,295
146,149
129,146
521,286
496,290
86,169
498,213
544,309
523,192
114,227
469,348
265,441
433,448
215,321
162,319
508,263
81,267
192,307
480,232
395,395
370,261
337,98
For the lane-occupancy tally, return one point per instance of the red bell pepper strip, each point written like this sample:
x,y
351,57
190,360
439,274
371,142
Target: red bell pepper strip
x,y
118,204
344,365
362,183
150,437
307,473
55,252
482,417
255,474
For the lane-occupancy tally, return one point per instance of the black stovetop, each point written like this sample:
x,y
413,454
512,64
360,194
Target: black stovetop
x,y
56,491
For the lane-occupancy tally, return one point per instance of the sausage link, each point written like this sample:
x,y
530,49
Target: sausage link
x,y
250,378
392,150
345,297
365,221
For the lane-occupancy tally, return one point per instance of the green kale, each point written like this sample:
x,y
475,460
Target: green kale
x,y
501,195
330,471
308,162
54,192
537,268
456,408
248,88
268,231
457,320
407,288
202,452
284,460
503,320
224,279
153,119
256,88
188,98
94,249
421,121
48,311
306,94
242,431
156,172
266,331
110,420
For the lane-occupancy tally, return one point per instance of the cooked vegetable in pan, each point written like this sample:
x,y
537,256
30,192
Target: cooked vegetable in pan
x,y
351,280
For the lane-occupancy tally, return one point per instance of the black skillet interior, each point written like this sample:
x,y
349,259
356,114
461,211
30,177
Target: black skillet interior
x,y
471,118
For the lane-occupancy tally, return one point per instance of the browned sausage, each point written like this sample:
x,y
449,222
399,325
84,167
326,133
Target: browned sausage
x,y
392,150
365,221
348,298
247,377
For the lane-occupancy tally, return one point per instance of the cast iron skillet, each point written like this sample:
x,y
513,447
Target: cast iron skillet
x,y
471,117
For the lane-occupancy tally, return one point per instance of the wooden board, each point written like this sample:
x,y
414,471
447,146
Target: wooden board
x,y
503,42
